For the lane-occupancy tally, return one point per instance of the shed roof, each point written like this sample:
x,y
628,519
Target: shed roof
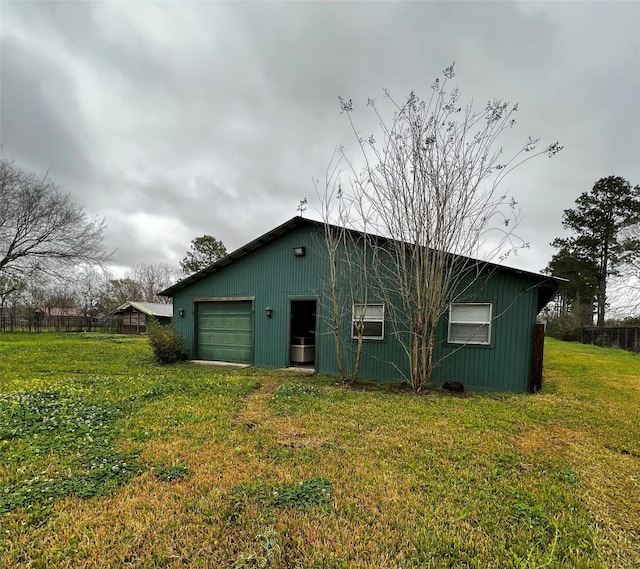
x,y
149,308
546,284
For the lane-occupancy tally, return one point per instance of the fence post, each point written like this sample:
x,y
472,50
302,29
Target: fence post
x,y
538,358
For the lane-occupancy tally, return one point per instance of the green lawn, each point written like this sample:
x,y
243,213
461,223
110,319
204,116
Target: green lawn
x,y
109,460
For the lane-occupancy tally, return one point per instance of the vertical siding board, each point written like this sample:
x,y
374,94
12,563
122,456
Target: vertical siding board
x,y
270,274
273,275
504,365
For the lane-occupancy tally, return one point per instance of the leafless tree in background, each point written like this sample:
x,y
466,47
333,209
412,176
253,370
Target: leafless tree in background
x,y
11,291
41,229
624,293
152,278
90,291
430,185
123,290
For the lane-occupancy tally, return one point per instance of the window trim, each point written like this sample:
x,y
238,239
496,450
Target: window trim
x,y
365,319
488,323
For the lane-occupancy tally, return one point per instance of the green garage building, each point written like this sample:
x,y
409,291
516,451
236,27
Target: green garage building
x,y
266,305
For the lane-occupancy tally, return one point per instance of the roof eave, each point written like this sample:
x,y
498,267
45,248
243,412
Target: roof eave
x,y
298,222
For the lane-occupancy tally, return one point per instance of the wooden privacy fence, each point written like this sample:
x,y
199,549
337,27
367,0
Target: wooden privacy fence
x,y
626,337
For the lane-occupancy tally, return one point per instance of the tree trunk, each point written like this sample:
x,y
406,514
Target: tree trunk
x,y
415,368
429,366
602,284
602,298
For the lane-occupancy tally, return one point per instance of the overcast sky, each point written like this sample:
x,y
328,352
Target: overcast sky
x,y
176,119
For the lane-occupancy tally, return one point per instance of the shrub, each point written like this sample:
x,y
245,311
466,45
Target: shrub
x,y
166,342
569,326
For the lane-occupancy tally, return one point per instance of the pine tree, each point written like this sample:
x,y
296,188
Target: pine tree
x,y
204,251
600,244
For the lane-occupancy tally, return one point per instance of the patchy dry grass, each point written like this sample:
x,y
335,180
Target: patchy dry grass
x,y
250,468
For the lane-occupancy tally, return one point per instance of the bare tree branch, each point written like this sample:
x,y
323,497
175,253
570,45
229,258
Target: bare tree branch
x,y
41,229
430,186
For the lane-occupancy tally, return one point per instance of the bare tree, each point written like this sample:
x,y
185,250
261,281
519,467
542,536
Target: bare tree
x,y
41,229
11,291
61,295
430,187
90,288
346,290
152,278
623,298
122,290
34,299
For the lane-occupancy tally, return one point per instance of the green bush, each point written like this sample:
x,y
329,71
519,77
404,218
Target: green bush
x,y
569,326
166,342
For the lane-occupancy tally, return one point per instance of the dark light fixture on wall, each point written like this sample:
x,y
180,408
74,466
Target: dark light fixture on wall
x,y
181,312
299,251
269,311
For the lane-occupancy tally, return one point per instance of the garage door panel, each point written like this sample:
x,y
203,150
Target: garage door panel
x,y
225,331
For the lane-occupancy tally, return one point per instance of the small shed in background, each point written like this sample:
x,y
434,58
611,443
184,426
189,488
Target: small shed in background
x,y
135,314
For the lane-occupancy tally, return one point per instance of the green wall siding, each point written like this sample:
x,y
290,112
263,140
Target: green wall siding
x,y
272,276
506,363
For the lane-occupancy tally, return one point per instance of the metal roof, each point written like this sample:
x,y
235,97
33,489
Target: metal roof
x,y
149,308
547,284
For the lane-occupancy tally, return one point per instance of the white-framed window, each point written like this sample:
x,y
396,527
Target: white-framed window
x,y
470,323
369,320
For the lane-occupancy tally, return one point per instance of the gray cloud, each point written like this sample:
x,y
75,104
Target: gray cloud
x,y
37,101
172,120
